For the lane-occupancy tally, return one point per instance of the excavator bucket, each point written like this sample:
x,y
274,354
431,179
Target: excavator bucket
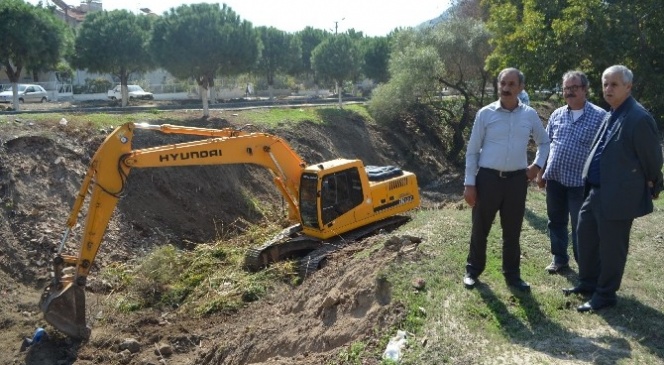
x,y
64,308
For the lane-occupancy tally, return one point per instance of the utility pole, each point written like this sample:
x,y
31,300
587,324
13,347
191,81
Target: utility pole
x,y
336,25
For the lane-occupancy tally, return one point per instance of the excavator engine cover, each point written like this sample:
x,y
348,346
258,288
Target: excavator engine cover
x,y
57,306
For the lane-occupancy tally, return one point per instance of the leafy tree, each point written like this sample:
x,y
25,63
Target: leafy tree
x,y
524,38
547,38
114,42
64,37
200,40
310,38
32,38
376,58
337,59
449,57
280,52
412,66
462,45
627,33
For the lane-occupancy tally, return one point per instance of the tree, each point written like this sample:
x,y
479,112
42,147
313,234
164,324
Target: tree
x,y
524,38
114,42
310,38
32,38
376,58
547,38
337,59
199,40
280,52
448,57
463,45
65,38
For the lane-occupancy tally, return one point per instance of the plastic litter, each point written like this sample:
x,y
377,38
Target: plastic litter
x,y
394,347
38,336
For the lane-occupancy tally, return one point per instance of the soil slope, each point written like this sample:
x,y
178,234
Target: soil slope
x,y
41,167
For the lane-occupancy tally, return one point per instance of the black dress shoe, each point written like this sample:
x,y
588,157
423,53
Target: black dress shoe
x,y
519,284
469,281
588,306
577,290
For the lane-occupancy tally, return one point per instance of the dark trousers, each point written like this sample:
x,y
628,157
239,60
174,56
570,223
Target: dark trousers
x,y
507,196
562,205
603,246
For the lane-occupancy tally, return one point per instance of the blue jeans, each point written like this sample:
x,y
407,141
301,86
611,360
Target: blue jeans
x,y
563,203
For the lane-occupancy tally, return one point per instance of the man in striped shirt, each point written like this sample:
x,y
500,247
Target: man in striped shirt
x,y
571,129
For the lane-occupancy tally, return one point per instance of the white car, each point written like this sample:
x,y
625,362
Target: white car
x,y
135,92
26,93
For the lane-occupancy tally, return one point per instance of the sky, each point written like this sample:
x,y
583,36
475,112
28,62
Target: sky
x,y
371,17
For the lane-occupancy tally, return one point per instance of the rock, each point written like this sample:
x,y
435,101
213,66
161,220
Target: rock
x,y
163,349
393,243
124,357
419,283
130,344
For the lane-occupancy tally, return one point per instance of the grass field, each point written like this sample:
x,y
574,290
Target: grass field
x,y
494,325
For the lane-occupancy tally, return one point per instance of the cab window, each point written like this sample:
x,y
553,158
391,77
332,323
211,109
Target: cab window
x,y
340,193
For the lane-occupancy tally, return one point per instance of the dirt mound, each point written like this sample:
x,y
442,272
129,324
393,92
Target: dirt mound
x,y
41,167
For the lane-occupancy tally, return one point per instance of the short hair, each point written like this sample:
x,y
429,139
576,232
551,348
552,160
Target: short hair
x,y
576,75
522,79
627,75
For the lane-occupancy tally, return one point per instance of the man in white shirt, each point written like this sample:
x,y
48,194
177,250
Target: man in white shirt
x,y
497,175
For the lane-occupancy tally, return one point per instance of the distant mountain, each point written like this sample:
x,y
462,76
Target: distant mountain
x,y
446,15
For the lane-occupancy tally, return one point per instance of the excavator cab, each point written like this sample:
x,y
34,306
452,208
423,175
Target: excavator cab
x,y
343,195
333,195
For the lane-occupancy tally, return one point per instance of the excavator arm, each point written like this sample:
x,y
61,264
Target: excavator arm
x,y
63,301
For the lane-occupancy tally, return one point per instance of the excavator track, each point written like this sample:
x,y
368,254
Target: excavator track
x,y
313,261
291,243
286,244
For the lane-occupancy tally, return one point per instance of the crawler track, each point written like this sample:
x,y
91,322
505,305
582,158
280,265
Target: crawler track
x,y
312,252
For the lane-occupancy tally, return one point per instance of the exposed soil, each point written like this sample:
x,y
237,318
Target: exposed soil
x,y
41,167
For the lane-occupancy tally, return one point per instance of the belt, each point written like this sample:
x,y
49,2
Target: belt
x,y
504,174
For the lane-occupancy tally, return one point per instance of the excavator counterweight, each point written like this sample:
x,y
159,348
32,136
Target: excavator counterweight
x,y
330,203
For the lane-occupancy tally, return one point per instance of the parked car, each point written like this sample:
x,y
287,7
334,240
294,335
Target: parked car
x,y
26,93
135,92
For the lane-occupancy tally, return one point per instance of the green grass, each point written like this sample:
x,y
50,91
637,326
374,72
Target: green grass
x,y
283,116
493,325
266,117
209,279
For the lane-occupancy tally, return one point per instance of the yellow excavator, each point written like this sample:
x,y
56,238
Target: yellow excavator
x,y
330,203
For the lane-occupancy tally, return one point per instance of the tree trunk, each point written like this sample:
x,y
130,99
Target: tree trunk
x,y
458,141
213,90
14,74
17,105
204,98
124,80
